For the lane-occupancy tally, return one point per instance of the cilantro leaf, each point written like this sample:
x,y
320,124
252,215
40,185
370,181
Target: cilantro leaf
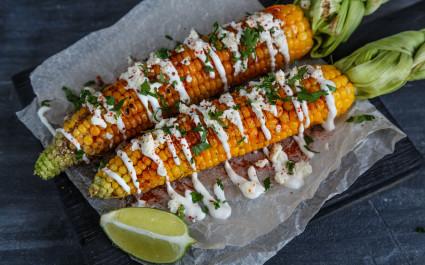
x,y
219,183
46,103
162,53
267,183
180,211
361,118
311,150
71,97
331,88
196,196
290,165
249,40
197,149
110,100
79,154
308,139
90,83
217,204
310,97
145,89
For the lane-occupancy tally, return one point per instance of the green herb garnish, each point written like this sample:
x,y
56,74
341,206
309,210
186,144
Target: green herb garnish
x,y
145,89
236,107
79,154
267,183
180,211
308,139
361,118
216,204
169,37
71,97
249,41
241,140
196,196
219,183
197,149
90,83
290,165
46,103
310,97
297,77
311,150
162,53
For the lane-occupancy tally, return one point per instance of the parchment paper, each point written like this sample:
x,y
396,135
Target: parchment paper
x,y
257,228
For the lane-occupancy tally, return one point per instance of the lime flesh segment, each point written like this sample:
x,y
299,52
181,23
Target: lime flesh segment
x,y
148,234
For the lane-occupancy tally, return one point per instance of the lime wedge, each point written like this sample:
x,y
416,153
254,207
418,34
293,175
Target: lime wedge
x,y
149,234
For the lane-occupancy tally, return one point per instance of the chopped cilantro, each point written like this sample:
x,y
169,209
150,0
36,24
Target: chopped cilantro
x,y
361,118
90,83
311,150
162,53
213,38
241,140
110,100
219,183
217,204
308,139
79,154
298,76
180,211
236,107
249,40
71,97
310,97
166,129
161,78
182,131
290,165
197,149
208,68
267,183
102,164
145,89
205,209
45,103
169,37
196,196
331,88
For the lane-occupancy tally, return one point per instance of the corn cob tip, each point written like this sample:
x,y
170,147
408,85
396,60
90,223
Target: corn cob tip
x,y
55,158
100,188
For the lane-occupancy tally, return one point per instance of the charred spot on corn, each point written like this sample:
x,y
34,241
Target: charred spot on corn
x,y
45,103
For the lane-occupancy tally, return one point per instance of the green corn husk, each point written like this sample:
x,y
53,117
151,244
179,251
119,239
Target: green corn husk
x,y
333,21
384,66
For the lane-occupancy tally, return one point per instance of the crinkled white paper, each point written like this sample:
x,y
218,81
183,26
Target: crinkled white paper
x,y
257,228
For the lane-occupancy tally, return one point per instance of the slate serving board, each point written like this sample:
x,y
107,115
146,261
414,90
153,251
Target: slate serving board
x,y
391,170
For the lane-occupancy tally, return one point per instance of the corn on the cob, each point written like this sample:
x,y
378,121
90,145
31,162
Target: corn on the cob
x,y
196,80
281,120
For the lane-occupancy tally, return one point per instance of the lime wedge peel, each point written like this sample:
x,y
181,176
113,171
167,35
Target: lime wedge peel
x,y
148,234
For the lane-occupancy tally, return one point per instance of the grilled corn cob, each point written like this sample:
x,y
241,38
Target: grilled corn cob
x,y
85,132
204,136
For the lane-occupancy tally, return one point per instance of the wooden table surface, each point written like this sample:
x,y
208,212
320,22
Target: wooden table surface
x,y
34,228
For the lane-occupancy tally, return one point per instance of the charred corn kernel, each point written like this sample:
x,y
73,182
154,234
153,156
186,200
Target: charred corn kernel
x,y
134,116
215,154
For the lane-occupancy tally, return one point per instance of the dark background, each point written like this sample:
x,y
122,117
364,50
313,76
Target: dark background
x,y
35,229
